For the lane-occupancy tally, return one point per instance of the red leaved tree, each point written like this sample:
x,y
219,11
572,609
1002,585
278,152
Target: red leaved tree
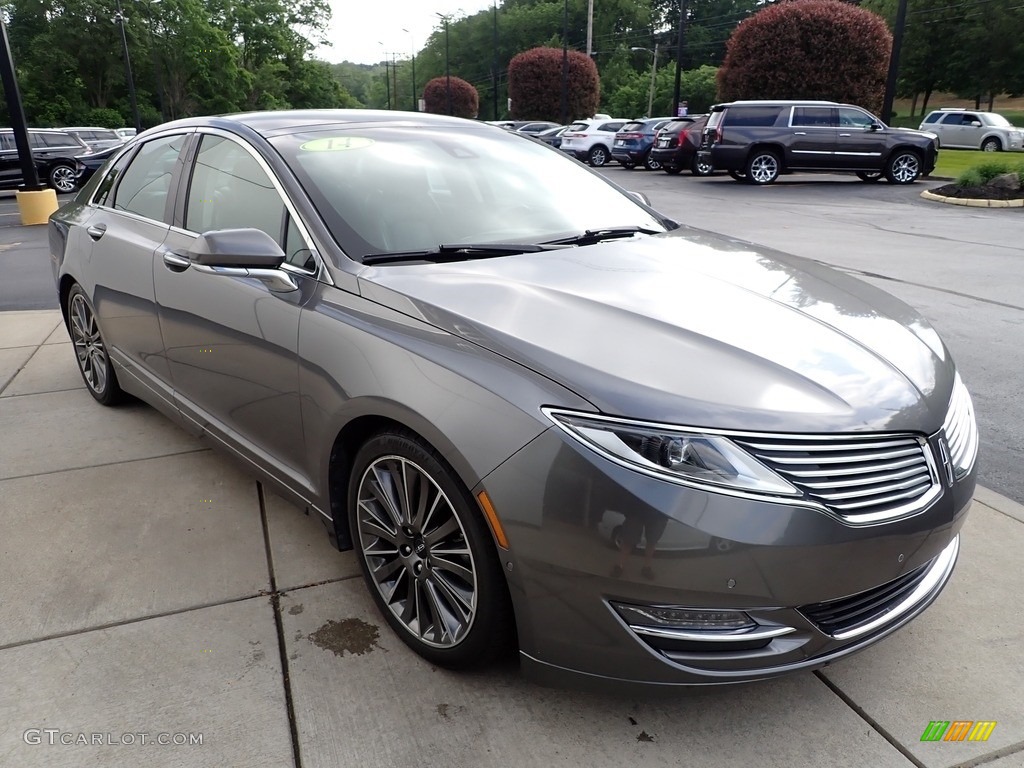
x,y
535,85
808,49
465,98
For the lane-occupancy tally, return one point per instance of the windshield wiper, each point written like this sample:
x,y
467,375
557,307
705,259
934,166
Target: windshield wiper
x,y
456,252
591,236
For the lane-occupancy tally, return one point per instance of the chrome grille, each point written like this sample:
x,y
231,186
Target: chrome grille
x,y
862,478
961,429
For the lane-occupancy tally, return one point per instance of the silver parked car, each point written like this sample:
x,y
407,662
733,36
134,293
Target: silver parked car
x,y
545,416
971,129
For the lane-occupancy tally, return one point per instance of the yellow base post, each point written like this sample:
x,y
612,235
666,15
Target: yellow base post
x,y
36,207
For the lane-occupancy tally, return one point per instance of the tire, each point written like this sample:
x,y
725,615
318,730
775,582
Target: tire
x,y
598,156
763,167
628,166
698,168
904,167
90,350
671,171
62,178
869,176
452,609
738,175
991,144
650,163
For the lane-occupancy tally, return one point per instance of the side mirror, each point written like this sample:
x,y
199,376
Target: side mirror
x,y
875,127
975,123
247,248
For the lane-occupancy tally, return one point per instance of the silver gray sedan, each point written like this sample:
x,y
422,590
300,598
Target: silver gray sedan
x,y
546,417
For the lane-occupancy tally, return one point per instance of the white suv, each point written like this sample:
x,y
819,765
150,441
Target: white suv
x,y
971,129
591,140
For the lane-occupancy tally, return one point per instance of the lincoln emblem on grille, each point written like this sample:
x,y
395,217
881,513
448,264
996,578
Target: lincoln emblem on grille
x,y
947,464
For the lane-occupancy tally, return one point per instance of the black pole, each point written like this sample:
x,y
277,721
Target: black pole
x,y
394,74
494,62
565,63
128,70
17,114
415,101
894,61
387,79
447,68
679,56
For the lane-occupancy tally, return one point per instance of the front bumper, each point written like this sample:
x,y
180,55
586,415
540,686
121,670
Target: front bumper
x,y
786,567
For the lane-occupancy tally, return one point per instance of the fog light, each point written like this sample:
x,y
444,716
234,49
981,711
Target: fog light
x,y
687,619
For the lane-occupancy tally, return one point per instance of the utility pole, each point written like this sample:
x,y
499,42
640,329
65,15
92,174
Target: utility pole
x,y
590,28
128,69
894,61
680,43
394,74
447,64
494,61
565,63
412,47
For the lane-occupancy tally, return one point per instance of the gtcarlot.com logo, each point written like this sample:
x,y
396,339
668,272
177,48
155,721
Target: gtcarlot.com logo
x,y
958,730
55,736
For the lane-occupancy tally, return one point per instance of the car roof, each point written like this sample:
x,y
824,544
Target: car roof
x,y
274,122
40,130
86,128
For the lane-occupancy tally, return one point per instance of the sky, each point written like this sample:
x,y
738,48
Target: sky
x,y
358,27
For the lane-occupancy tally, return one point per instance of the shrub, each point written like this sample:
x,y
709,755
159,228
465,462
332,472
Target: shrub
x,y
535,85
970,178
984,172
465,98
808,49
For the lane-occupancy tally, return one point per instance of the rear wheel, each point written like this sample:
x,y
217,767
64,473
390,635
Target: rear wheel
x,y
738,175
904,167
650,163
62,178
598,156
90,350
697,168
628,166
991,144
426,553
763,167
869,175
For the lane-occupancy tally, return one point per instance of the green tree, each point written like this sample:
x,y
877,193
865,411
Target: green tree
x,y
808,49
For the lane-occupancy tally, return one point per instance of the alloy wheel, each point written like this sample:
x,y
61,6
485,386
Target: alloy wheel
x,y
89,347
63,178
416,551
763,169
904,168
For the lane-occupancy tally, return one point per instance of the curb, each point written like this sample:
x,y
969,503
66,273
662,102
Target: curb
x,y
998,502
972,202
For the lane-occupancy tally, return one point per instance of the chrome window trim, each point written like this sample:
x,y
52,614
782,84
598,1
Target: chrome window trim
x,y
320,273
127,147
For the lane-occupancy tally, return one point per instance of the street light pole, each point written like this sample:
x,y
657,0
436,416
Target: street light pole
x,y
494,62
448,68
654,69
412,47
565,62
387,76
680,43
894,61
119,17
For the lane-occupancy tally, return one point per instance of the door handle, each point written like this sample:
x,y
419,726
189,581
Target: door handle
x,y
844,134
95,231
801,133
174,261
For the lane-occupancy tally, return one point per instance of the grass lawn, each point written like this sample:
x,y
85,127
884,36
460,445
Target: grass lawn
x,y
953,162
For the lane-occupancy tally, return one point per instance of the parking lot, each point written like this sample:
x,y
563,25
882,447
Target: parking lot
x,y
148,586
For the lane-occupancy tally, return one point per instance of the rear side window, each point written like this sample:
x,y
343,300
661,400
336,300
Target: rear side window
x,y
752,117
812,117
933,117
633,127
575,127
613,127
7,141
146,182
952,118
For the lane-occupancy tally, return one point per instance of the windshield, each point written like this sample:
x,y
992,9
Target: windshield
x,y
998,120
386,189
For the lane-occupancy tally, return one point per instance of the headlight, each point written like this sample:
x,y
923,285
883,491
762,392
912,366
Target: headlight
x,y
961,429
688,457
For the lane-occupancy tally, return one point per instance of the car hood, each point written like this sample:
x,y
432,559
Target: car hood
x,y
691,328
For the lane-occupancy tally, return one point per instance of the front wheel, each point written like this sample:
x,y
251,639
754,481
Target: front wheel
x,y
598,156
991,144
763,167
62,178
426,553
904,168
738,175
90,350
869,176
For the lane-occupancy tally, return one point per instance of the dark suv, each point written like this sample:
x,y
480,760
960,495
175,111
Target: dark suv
x,y
55,154
756,141
676,144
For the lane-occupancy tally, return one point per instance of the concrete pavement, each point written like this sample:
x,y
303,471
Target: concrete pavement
x,y
150,591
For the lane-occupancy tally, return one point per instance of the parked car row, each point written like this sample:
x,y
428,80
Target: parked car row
x,y
64,158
